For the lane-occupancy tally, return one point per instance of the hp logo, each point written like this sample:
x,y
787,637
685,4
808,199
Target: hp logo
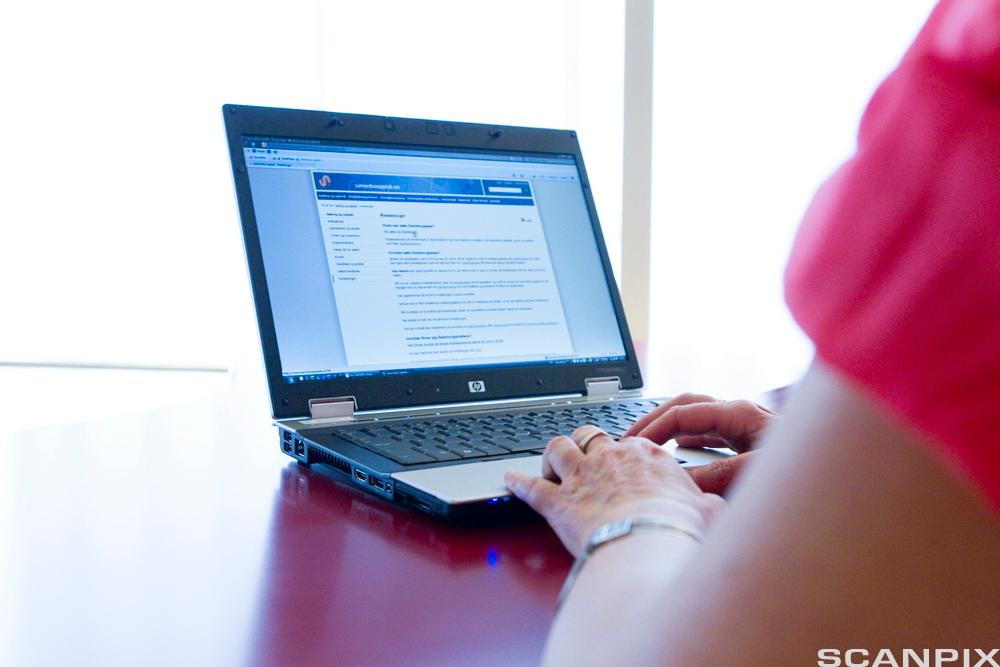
x,y
477,387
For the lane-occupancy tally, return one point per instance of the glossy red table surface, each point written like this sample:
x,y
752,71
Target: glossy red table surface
x,y
182,536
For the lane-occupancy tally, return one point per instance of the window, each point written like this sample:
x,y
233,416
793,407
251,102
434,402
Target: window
x,y
121,238
754,105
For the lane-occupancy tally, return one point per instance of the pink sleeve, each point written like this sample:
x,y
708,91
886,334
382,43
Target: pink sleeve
x,y
895,274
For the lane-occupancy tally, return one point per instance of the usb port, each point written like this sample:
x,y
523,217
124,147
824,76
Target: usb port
x,y
378,484
287,435
360,476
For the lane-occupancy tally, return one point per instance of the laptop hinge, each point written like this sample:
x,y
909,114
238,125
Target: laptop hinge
x,y
336,407
603,386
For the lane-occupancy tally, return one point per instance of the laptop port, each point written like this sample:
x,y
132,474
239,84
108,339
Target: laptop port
x,y
300,447
360,475
287,447
378,484
287,435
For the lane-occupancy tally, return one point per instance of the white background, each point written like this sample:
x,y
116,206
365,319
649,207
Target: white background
x,y
120,230
755,103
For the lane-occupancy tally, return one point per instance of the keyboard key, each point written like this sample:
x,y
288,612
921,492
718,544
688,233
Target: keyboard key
x,y
491,450
385,445
467,452
411,457
442,454
522,445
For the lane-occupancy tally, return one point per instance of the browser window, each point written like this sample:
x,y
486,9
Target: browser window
x,y
396,260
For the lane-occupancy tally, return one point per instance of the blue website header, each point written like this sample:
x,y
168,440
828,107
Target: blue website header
x,y
507,188
384,187
388,184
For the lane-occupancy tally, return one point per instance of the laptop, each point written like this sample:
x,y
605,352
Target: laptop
x,y
434,299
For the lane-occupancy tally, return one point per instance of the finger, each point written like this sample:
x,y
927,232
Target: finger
x,y
680,399
560,458
719,476
592,438
701,441
739,422
540,494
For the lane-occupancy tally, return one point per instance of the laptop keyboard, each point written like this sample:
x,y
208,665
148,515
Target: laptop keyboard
x,y
487,435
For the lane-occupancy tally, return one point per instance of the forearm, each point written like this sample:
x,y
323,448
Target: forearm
x,y
608,617
847,532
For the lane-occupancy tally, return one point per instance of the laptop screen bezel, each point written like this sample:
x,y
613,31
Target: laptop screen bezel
x,y
425,388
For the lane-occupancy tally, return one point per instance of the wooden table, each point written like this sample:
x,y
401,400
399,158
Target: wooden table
x,y
181,536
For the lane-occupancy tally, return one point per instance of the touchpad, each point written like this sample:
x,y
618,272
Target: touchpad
x,y
469,482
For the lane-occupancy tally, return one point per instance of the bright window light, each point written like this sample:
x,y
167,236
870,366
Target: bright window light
x,y
121,239
755,104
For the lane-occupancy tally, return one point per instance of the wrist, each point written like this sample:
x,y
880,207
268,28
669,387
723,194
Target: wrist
x,y
625,531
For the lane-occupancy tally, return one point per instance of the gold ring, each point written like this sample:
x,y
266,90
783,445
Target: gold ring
x,y
587,438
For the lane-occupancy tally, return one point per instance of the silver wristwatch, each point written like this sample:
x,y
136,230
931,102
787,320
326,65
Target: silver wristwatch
x,y
616,530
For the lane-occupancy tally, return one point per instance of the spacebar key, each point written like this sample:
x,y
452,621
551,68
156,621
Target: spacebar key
x,y
522,445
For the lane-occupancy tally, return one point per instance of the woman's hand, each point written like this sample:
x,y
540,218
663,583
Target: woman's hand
x,y
697,421
634,477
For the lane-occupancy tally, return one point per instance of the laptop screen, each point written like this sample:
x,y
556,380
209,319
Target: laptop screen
x,y
395,260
